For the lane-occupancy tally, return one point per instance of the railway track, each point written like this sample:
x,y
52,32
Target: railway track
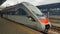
x,y
55,20
54,30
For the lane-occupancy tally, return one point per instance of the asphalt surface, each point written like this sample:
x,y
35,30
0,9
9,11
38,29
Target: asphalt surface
x,y
8,27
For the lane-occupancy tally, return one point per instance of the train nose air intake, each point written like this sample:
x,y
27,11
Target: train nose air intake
x,y
47,26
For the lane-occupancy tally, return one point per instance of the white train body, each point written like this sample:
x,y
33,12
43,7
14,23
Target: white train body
x,y
28,15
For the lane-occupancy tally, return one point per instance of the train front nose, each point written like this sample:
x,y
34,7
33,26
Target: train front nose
x,y
45,24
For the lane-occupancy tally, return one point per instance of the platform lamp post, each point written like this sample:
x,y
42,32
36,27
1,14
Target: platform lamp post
x,y
48,14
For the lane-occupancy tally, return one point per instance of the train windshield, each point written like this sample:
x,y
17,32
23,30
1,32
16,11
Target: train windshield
x,y
36,11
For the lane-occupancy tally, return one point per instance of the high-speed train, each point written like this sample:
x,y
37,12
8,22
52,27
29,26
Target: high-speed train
x,y
29,15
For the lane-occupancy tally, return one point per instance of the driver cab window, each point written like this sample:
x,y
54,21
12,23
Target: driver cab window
x,y
21,12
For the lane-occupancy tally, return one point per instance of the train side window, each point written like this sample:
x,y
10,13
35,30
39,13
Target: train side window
x,y
10,12
22,12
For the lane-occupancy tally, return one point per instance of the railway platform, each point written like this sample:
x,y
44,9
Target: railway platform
x,y
8,27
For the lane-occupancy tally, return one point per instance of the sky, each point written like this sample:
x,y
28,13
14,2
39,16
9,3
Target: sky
x,y
50,2
33,2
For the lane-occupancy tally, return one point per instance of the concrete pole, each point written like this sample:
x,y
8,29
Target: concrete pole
x,y
48,14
